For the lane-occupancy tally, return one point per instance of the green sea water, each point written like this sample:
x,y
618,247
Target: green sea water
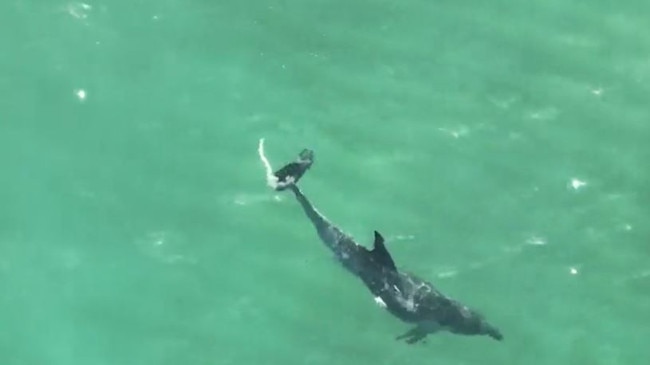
x,y
501,147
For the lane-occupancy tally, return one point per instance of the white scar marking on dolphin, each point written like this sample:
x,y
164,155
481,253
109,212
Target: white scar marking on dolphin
x,y
380,302
271,180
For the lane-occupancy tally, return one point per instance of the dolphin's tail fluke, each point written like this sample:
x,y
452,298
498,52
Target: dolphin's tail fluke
x,y
292,172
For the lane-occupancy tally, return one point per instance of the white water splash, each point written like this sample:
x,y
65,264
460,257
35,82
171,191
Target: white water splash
x,y
79,10
271,180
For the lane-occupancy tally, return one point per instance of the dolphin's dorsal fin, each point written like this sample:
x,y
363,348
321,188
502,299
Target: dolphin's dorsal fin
x,y
380,253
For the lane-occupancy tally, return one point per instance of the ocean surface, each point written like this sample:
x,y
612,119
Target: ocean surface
x,y
501,147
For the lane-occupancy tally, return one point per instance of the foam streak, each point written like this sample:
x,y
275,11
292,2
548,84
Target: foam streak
x,y
271,180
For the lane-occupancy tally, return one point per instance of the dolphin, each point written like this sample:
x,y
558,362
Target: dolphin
x,y
406,296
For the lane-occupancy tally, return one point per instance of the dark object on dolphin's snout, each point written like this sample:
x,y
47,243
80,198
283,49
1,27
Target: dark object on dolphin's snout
x,y
292,172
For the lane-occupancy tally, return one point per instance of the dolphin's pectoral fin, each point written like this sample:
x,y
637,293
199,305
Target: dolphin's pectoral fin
x,y
381,254
413,335
416,334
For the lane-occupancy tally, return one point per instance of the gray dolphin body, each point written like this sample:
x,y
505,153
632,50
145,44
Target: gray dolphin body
x,y
405,295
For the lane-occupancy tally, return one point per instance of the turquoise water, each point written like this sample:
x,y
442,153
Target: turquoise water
x,y
500,147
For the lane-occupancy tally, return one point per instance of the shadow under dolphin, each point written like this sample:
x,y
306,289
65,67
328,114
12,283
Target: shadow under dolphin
x,y
405,295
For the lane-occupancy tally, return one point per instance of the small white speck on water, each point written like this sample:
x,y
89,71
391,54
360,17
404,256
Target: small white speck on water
x,y
81,94
544,114
597,91
536,241
403,237
573,271
447,274
457,132
577,184
627,227
155,17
